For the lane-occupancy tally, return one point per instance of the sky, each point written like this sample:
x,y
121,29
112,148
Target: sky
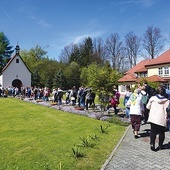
x,y
54,24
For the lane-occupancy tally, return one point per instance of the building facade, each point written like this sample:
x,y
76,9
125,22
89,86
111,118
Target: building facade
x,y
152,70
15,73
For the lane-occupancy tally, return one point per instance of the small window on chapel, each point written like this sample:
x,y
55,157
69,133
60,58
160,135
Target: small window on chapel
x,y
17,60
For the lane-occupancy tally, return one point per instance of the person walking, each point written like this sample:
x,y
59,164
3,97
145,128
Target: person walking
x,y
113,101
126,98
136,111
144,100
157,117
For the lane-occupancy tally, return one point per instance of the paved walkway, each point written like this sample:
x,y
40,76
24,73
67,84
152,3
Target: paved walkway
x,y
135,154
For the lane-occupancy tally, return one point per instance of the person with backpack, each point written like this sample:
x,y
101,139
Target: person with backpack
x,y
144,101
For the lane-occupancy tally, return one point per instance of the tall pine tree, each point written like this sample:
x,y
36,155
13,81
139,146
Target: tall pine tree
x,y
5,50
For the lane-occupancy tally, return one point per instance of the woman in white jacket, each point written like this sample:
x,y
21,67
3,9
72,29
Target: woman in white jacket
x,y
136,111
157,117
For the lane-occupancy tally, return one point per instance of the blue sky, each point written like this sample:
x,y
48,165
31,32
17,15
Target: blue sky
x,y
54,24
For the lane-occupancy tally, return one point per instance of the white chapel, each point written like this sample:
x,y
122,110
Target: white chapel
x,y
15,73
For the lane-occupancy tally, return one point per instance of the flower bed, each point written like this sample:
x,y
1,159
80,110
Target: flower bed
x,y
38,100
79,108
53,104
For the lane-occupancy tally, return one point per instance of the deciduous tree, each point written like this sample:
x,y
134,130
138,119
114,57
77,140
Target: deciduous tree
x,y
132,44
153,41
115,50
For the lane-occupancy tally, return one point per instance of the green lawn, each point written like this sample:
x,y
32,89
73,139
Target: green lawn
x,y
41,138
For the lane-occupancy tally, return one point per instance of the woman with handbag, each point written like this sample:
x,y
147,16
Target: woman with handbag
x,y
158,117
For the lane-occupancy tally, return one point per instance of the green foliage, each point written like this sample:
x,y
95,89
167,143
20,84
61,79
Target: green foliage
x,y
5,50
86,51
59,80
102,129
72,74
42,68
94,137
101,79
48,82
76,152
86,142
116,120
152,84
36,79
37,52
50,73
75,55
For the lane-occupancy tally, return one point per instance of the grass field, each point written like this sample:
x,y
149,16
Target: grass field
x,y
34,137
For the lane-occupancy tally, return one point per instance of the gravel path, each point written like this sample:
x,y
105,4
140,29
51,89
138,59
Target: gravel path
x,y
92,113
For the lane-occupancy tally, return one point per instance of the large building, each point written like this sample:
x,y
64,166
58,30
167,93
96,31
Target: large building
x,y
153,70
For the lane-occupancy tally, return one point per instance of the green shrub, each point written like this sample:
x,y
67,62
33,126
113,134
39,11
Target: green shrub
x,y
102,129
116,120
76,152
86,142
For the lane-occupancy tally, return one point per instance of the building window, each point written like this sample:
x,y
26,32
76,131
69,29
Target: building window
x,y
143,74
160,71
17,60
166,71
167,86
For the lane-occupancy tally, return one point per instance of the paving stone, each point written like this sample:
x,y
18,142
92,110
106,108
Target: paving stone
x,y
135,154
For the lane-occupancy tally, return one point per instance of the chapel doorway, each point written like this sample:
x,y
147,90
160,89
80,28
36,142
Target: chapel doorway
x,y
17,83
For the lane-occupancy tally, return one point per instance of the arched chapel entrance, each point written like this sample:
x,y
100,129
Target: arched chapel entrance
x,y
17,83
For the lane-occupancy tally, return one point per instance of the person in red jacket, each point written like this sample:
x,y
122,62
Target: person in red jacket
x,y
113,102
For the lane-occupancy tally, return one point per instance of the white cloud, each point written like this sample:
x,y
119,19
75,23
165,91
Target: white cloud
x,y
77,38
145,3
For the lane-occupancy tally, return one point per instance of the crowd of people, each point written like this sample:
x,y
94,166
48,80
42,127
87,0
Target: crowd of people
x,y
148,105
143,105
83,96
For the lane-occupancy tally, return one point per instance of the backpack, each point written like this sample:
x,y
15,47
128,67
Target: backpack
x,y
168,110
144,99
